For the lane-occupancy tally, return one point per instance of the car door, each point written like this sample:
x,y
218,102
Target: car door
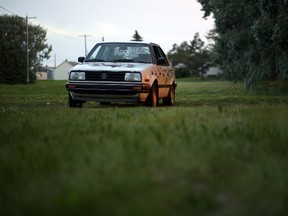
x,y
163,71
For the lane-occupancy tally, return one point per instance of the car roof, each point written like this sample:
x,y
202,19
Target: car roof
x,y
128,42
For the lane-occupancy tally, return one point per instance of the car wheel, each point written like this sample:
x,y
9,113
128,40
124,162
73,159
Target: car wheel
x,y
170,100
152,99
74,103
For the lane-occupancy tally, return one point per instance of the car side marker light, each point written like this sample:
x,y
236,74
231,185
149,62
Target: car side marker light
x,y
137,88
147,79
71,86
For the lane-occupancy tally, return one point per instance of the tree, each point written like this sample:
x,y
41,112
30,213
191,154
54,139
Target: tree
x,y
137,37
13,43
251,42
192,54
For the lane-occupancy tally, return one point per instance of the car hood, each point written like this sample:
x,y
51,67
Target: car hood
x,y
110,66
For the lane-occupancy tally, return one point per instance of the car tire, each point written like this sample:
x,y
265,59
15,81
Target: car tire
x,y
152,99
74,103
170,100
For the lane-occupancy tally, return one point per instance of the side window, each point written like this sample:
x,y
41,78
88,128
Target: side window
x,y
160,56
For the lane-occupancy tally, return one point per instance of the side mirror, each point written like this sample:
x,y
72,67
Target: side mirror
x,y
162,61
81,59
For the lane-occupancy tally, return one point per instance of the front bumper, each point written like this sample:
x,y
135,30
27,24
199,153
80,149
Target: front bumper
x,y
108,92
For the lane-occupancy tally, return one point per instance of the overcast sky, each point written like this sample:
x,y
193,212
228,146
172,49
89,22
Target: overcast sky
x,y
159,21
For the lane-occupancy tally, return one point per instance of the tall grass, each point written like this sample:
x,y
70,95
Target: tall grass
x,y
221,150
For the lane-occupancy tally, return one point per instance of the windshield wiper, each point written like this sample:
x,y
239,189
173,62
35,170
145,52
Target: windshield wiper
x,y
145,62
123,60
95,60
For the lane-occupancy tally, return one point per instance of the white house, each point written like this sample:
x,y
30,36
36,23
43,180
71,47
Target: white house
x,y
41,75
213,72
45,73
62,70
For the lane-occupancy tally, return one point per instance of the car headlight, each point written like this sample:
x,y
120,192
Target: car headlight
x,y
132,77
77,75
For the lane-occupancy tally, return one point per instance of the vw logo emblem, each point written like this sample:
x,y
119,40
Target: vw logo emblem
x,y
104,76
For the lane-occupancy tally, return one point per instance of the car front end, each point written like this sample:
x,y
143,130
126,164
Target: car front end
x,y
108,82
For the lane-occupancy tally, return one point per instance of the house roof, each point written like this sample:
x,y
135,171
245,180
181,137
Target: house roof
x,y
46,69
180,65
72,63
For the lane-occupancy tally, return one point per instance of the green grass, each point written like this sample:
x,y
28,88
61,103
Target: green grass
x,y
221,150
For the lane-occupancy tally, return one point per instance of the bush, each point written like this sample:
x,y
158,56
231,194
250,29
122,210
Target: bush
x,y
182,73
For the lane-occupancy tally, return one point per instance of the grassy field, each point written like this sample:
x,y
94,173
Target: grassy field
x,y
221,150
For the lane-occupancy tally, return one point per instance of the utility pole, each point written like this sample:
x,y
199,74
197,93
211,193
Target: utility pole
x,y
27,48
85,40
54,60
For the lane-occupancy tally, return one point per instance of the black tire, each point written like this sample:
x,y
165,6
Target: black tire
x,y
170,100
152,99
74,103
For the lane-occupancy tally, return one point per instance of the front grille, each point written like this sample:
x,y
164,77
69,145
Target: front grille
x,y
105,76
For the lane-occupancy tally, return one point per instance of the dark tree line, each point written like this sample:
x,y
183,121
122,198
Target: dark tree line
x,y
251,38
13,47
192,55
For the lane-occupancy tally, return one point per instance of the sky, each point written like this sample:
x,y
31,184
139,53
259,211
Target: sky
x,y
160,21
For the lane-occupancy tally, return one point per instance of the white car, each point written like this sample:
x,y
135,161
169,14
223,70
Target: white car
x,y
122,72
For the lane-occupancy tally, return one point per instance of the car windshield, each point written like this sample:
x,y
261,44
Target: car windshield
x,y
120,52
